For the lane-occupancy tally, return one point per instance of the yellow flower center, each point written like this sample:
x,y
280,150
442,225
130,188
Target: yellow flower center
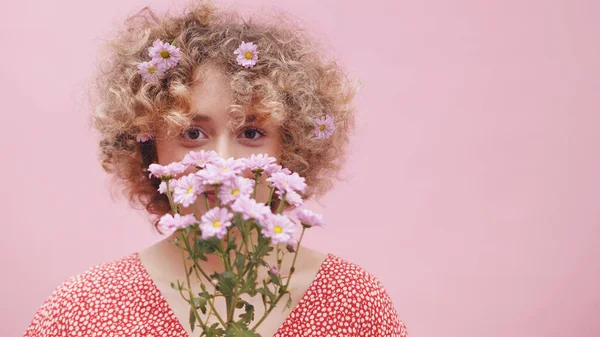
x,y
217,224
248,55
190,190
235,192
151,69
322,127
165,54
277,229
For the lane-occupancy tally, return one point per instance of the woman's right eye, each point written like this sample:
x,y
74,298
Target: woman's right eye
x,y
193,133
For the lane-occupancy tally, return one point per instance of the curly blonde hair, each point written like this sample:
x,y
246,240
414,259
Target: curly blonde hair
x,y
291,84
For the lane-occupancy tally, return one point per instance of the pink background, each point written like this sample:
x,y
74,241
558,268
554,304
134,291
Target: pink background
x,y
485,112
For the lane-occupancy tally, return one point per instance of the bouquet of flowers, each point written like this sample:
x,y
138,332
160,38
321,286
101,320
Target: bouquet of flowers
x,y
237,229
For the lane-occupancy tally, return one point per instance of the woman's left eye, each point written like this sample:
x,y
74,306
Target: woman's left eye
x,y
253,133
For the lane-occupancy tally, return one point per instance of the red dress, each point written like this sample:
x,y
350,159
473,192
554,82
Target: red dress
x,y
120,299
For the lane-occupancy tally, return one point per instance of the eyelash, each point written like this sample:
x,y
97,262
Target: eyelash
x,y
261,132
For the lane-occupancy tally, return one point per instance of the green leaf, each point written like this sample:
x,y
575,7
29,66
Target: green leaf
x,y
248,316
239,330
212,244
214,331
240,260
288,304
176,286
200,303
192,319
227,283
275,279
201,248
249,283
264,290
231,243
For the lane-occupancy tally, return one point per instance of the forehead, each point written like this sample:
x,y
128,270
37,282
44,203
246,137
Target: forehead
x,y
211,92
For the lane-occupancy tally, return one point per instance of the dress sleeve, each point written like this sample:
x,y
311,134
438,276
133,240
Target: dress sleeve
x,y
378,312
51,319
383,319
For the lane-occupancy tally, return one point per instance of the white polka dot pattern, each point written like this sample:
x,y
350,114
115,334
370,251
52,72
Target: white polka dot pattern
x,y
119,299
343,300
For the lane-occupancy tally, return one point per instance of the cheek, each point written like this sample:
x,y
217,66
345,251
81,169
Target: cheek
x,y
169,152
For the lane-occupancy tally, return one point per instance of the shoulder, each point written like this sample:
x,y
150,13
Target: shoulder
x,y
367,298
78,301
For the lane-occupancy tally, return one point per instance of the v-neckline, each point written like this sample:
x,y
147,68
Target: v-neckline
x,y
183,332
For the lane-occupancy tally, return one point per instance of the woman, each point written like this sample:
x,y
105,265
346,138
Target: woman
x,y
207,80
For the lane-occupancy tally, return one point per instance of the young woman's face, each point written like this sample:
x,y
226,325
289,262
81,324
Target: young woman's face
x,y
210,130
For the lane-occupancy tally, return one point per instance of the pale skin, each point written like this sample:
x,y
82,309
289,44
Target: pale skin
x,y
211,131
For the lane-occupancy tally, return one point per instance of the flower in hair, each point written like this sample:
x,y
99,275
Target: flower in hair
x,y
324,127
144,137
150,72
164,55
246,54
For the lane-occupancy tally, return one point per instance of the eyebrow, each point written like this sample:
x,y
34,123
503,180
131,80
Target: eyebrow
x,y
205,118
201,118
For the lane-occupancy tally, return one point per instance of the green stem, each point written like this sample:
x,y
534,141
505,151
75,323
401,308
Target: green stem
x,y
170,197
189,288
206,201
196,269
210,310
256,176
212,307
217,196
281,204
189,250
272,188
287,283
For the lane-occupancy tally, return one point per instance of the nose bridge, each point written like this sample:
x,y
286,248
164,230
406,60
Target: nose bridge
x,y
223,145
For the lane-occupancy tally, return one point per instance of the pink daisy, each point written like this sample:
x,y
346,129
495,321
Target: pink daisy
x,y
150,72
165,172
230,165
279,228
236,188
274,270
164,55
309,218
246,54
292,247
144,137
287,182
275,168
200,159
259,163
215,223
170,223
291,197
213,175
325,127
186,190
251,209
162,188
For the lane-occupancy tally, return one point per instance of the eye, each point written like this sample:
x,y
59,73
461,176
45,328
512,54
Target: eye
x,y
193,133
253,133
